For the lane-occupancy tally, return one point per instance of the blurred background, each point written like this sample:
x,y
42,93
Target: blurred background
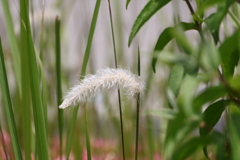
x,y
103,111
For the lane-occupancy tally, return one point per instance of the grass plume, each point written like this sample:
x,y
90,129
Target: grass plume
x,y
103,79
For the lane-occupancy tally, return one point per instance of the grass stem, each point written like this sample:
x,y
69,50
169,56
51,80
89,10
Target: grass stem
x,y
119,96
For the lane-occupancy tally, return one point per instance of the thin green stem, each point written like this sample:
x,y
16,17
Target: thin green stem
x,y
59,83
137,127
119,96
87,134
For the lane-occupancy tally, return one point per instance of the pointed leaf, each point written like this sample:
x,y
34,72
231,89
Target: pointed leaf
x,y
165,37
175,78
229,54
148,11
214,20
210,117
127,3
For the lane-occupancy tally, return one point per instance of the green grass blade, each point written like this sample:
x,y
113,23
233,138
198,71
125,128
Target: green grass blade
x,y
26,102
59,83
87,134
8,107
83,72
38,114
13,42
119,95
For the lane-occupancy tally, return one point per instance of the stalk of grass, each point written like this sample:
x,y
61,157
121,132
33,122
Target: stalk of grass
x,y
87,134
119,96
39,118
59,83
138,108
83,72
25,90
13,43
3,143
8,107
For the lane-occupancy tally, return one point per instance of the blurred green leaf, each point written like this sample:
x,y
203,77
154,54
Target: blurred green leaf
x,y
189,62
164,113
186,94
206,4
235,82
210,118
210,58
13,43
190,146
167,36
178,129
8,107
229,51
148,11
214,20
175,78
127,3
209,95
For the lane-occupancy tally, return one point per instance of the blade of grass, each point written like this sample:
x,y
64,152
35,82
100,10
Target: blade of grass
x,y
39,118
138,109
119,96
13,43
87,134
26,102
59,83
8,107
83,72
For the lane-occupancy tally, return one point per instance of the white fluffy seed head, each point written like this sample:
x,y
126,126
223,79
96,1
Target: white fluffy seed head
x,y
104,79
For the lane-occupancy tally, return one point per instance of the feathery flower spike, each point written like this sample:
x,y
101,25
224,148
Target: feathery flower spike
x,y
104,79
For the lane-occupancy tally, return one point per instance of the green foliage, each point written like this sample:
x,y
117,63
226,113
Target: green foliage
x,y
208,64
202,87
8,107
148,11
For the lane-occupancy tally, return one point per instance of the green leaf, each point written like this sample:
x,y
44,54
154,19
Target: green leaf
x,y
209,95
8,107
164,113
148,11
13,43
214,20
186,94
127,3
177,130
210,118
175,78
229,51
191,146
83,72
165,37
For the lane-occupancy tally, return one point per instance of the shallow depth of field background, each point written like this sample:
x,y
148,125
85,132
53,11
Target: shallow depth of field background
x,y
103,112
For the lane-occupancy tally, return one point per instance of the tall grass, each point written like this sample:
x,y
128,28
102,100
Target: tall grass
x,y
191,83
